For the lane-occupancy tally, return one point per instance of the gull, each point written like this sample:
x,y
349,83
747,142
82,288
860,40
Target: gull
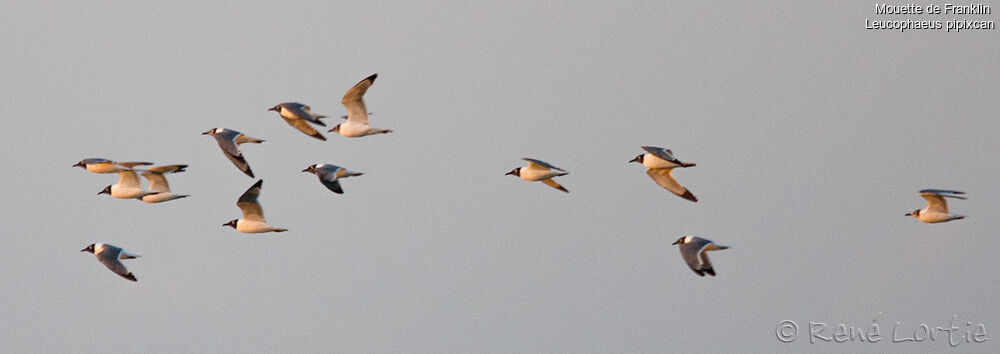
x,y
659,164
357,113
110,256
252,221
98,165
937,208
693,251
229,141
299,116
538,170
329,175
128,186
158,183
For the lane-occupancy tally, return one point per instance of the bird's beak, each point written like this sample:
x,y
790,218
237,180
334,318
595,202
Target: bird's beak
x,y
275,108
908,214
79,164
83,250
676,242
509,173
636,159
306,170
206,133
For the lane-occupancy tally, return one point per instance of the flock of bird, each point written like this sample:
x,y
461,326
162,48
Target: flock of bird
x,y
659,163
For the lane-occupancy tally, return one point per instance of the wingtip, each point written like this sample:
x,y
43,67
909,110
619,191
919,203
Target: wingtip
x,y
373,77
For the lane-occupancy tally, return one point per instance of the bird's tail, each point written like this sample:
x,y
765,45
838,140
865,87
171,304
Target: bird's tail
x,y
278,229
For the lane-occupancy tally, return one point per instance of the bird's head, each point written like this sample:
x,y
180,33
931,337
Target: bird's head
x,y
231,223
637,159
336,129
209,132
915,213
89,248
275,108
80,164
680,241
106,190
311,169
516,172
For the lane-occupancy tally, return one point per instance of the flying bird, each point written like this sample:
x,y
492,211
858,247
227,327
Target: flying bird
x,y
538,170
330,175
252,221
937,208
158,183
111,257
229,141
660,163
128,186
693,251
357,124
299,116
97,165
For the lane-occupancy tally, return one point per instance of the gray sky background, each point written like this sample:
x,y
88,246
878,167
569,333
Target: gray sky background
x,y
812,137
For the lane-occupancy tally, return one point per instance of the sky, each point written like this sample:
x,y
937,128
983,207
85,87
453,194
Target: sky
x,y
811,134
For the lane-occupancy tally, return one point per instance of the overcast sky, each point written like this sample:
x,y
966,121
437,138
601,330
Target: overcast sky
x,y
811,134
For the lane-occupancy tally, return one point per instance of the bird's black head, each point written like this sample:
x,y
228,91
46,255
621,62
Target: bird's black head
x,y
335,129
209,132
88,249
231,223
679,241
107,190
637,159
275,108
80,164
516,172
915,213
311,168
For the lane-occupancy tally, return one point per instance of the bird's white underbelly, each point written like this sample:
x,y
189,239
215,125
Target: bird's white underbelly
x,y
536,175
353,130
252,227
934,217
127,192
160,197
652,161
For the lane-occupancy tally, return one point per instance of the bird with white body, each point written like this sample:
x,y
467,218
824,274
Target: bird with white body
x,y
158,183
98,165
937,208
357,124
299,116
252,221
538,170
660,164
111,257
129,186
